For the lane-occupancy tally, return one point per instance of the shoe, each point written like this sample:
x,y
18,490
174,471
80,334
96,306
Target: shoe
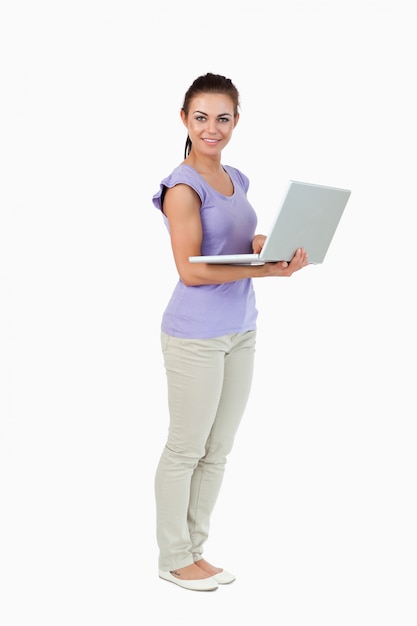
x,y
224,578
201,584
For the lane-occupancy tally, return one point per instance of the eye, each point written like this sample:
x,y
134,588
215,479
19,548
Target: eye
x,y
224,119
200,118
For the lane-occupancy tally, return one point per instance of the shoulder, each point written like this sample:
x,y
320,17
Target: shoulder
x,y
237,176
181,175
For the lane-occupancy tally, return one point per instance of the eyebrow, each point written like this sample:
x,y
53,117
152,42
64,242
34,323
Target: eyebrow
x,y
220,115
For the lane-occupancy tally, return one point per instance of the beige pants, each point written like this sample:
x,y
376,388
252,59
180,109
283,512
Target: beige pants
x,y
208,388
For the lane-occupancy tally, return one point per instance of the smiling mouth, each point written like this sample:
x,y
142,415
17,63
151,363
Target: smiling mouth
x,y
211,140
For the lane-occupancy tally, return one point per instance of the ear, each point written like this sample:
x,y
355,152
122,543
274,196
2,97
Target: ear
x,y
184,118
236,119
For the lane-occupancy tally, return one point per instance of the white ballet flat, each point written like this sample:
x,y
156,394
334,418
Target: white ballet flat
x,y
224,578
201,584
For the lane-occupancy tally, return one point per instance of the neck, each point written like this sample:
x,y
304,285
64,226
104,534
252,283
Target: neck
x,y
204,164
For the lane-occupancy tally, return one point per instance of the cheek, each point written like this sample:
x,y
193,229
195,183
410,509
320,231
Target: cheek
x,y
193,128
226,131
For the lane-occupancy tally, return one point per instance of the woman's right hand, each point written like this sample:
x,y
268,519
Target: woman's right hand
x,y
283,268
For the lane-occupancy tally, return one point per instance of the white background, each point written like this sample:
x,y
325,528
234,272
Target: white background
x,y
317,515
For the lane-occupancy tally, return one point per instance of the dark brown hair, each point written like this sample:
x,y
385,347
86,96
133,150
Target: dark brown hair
x,y
209,83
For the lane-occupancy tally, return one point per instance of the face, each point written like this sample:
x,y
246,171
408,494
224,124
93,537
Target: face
x,y
210,122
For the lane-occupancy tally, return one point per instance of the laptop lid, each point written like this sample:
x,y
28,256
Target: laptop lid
x,y
307,218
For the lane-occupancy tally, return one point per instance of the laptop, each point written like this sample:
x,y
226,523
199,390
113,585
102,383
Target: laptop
x,y
307,218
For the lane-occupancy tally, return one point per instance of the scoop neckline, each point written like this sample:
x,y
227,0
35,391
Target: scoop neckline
x,y
211,187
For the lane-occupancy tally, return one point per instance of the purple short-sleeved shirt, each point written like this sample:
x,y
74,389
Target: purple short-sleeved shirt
x,y
229,222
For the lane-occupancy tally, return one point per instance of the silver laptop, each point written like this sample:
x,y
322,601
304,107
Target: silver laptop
x,y
308,218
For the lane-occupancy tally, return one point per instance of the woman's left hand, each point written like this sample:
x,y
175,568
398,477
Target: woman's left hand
x,y
258,243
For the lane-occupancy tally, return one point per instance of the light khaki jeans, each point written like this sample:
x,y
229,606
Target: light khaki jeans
x,y
208,387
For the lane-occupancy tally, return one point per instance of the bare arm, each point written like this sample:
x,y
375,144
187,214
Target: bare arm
x,y
182,208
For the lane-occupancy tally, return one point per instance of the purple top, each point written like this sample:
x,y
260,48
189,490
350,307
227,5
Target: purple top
x,y
229,222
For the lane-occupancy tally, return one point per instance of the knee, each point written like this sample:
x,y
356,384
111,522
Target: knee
x,y
185,458
217,451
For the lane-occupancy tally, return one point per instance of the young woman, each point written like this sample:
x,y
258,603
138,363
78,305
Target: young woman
x,y
208,330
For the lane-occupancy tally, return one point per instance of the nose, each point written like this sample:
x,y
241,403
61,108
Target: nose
x,y
212,126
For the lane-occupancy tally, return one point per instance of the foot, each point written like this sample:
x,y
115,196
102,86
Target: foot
x,y
197,584
191,572
220,575
208,568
